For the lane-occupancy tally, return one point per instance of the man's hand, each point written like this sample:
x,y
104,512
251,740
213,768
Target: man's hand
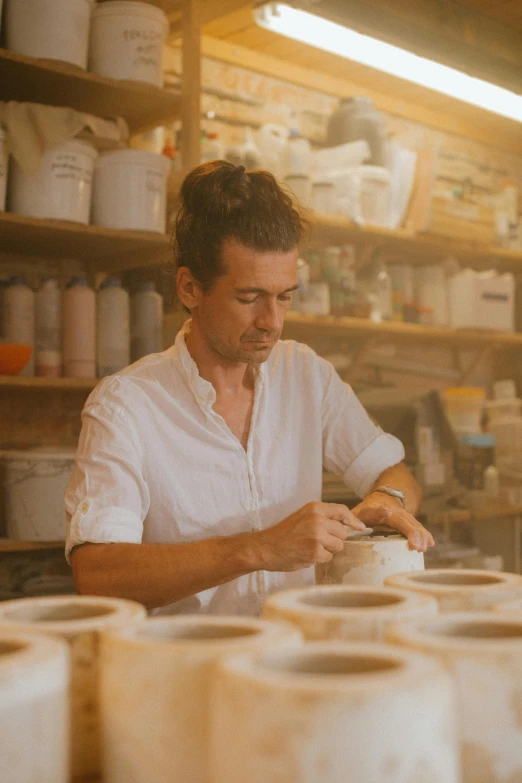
x,y
311,535
381,509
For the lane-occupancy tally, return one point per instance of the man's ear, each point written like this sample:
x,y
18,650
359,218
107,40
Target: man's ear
x,y
187,288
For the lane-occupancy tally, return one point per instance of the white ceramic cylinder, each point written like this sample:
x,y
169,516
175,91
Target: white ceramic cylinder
x,y
156,688
79,329
333,712
483,653
34,483
146,322
459,589
34,709
127,41
3,166
368,561
79,620
62,187
509,606
130,190
346,612
50,29
48,330
18,317
112,328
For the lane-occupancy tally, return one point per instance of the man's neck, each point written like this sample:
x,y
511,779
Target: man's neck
x,y
228,378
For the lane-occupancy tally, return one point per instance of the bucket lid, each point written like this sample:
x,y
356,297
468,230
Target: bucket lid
x,y
77,145
111,282
132,8
134,158
43,453
78,280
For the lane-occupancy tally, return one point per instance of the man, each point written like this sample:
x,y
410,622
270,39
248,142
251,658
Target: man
x,y
198,474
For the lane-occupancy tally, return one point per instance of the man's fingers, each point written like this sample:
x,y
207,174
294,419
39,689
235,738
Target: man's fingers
x,y
374,514
332,544
337,529
342,514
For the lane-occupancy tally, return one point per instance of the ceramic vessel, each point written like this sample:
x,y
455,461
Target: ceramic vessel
x,y
347,612
34,716
368,561
79,620
333,712
461,589
509,606
483,653
156,680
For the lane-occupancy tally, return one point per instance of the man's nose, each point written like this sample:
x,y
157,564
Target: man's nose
x,y
271,317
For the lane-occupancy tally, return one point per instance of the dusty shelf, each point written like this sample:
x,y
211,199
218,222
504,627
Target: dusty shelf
x,y
142,105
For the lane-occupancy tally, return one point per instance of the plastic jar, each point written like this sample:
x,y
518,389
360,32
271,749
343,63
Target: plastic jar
x,y
464,408
146,322
48,330
130,190
50,29
323,198
62,187
298,156
79,330
18,317
112,327
127,40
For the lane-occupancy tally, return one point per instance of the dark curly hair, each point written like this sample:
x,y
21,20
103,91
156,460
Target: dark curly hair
x,y
220,201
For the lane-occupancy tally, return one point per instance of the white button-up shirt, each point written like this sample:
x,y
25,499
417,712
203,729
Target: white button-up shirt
x,y
156,464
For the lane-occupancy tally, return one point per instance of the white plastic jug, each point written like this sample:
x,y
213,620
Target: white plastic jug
x,y
272,140
112,328
79,330
48,330
18,317
147,322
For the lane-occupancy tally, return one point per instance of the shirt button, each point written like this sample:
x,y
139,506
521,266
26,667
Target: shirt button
x,y
85,506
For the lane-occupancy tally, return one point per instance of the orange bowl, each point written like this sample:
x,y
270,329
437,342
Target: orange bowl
x,y
13,358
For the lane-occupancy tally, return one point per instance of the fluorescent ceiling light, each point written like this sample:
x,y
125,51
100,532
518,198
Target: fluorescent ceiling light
x,y
337,39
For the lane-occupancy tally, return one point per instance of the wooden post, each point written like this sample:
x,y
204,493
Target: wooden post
x,y
191,84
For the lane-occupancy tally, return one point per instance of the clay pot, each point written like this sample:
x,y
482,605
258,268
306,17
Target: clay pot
x,y
78,620
461,589
333,712
483,653
156,688
509,606
347,612
368,561
34,709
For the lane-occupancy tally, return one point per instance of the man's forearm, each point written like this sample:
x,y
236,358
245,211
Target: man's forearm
x,y
160,574
399,477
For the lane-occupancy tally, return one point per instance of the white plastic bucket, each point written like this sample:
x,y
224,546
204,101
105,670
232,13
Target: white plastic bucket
x,y
130,190
127,40
34,484
3,166
62,187
51,29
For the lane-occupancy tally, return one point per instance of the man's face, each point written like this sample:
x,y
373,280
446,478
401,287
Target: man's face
x,y
241,319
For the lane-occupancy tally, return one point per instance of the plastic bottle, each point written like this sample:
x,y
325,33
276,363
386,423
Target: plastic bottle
x,y
18,317
298,155
146,322
112,327
212,148
356,119
383,292
79,329
491,482
48,330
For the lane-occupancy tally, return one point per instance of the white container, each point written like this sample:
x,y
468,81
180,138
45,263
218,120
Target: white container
x,y
62,187
146,322
482,300
127,40
272,141
212,148
323,198
482,653
156,689
3,168
432,292
369,560
80,621
298,156
112,327
79,330
48,330
331,712
346,612
461,589
464,408
34,483
18,317
149,141
301,187
34,709
50,29
498,410
130,190
373,195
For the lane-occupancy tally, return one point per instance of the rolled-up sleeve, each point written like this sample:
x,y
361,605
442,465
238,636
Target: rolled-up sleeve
x,y
107,498
354,447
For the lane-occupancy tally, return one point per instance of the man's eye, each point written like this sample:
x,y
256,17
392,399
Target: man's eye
x,y
285,298
247,301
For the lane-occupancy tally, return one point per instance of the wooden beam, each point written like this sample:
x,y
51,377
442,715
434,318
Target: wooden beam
x,y
191,84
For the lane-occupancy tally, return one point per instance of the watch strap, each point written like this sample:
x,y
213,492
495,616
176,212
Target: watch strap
x,y
394,493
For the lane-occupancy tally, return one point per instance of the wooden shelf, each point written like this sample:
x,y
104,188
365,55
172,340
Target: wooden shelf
x,y
56,384
29,236
297,325
142,105
9,545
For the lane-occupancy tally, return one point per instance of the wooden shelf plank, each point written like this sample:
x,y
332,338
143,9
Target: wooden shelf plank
x,y
29,236
297,325
66,384
10,545
142,105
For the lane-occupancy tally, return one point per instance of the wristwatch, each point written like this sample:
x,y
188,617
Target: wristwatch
x,y
394,493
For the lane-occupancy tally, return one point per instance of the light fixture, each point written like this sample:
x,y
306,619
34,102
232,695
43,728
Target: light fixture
x,y
337,39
